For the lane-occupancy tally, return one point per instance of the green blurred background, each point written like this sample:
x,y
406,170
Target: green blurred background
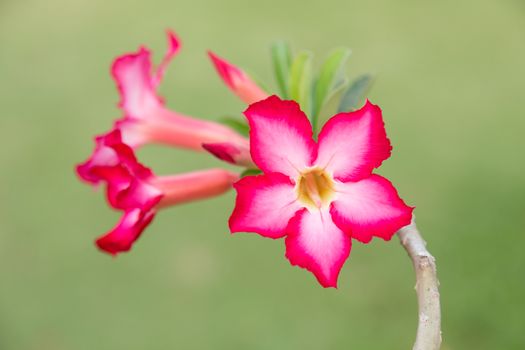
x,y
450,79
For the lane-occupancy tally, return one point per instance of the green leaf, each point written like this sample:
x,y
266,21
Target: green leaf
x,y
251,172
331,104
236,124
331,73
300,82
282,61
356,93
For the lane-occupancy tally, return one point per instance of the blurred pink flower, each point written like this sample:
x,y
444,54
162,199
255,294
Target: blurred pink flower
x,y
317,195
146,118
134,189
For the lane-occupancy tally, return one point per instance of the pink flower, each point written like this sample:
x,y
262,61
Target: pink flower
x,y
134,188
237,80
146,118
317,195
145,197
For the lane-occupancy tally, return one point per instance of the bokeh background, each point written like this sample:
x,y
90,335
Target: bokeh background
x,y
450,79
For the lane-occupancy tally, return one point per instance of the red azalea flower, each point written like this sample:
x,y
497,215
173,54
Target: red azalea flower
x,y
136,190
146,118
237,80
319,195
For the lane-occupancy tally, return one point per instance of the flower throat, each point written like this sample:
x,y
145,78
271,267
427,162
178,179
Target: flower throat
x,y
315,188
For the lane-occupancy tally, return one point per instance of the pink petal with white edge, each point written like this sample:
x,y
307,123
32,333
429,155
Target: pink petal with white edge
x,y
370,207
315,243
280,136
264,205
352,144
126,232
237,80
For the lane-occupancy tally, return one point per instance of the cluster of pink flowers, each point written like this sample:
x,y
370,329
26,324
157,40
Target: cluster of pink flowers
x,y
318,195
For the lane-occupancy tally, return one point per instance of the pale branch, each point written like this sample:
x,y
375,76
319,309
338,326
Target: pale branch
x,y
429,325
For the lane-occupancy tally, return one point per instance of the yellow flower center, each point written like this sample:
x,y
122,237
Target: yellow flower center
x,y
315,188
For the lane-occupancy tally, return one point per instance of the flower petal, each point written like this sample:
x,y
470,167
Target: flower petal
x,y
133,75
129,192
370,207
126,232
315,243
280,136
352,144
237,80
264,205
137,81
114,163
110,153
174,46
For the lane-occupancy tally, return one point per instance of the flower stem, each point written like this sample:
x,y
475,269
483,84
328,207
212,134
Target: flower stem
x,y
429,325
